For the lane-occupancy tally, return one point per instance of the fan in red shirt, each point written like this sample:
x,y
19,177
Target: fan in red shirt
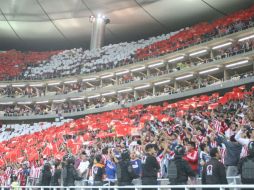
x,y
192,156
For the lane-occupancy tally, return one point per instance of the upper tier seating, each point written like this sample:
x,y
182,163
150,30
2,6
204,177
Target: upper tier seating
x,y
12,63
200,32
78,61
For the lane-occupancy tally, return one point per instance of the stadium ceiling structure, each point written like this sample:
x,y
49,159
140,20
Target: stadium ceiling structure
x,y
64,24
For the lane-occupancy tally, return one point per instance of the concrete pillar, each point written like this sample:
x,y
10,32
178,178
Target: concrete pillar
x,y
211,54
148,72
154,91
117,80
176,85
135,94
101,82
98,31
226,74
167,66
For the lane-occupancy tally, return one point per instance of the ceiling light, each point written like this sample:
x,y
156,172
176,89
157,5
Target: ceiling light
x,y
6,103
59,101
246,38
42,102
36,85
237,63
88,79
108,93
24,103
125,90
208,70
54,84
18,85
198,52
175,59
95,96
3,85
183,77
162,82
79,98
141,87
71,81
222,45
122,72
138,69
155,65
107,76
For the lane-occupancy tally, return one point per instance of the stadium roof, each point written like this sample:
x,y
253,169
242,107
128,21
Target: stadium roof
x,y
63,24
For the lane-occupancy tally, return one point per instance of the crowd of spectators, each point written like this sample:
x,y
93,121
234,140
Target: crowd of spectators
x,y
199,124
56,64
234,49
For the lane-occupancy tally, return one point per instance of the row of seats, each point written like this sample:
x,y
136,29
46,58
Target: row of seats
x,y
200,32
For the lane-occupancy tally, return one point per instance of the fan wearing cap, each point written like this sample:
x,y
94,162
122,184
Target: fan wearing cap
x,y
246,166
179,169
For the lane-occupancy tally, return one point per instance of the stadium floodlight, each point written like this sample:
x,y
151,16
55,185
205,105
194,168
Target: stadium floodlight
x,y
24,103
107,76
54,84
222,45
18,85
70,82
36,85
246,38
108,93
79,98
6,103
125,90
94,96
237,63
198,52
184,77
175,59
138,69
208,70
59,101
122,72
3,85
42,102
142,87
155,65
162,82
88,79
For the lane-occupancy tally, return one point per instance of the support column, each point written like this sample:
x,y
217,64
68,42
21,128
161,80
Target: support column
x,y
98,31
148,72
135,95
167,67
117,80
154,90
101,83
226,74
211,54
176,85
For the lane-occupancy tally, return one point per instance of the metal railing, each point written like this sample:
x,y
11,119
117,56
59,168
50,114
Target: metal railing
x,y
137,187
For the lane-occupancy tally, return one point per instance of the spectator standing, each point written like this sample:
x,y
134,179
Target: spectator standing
x,y
150,166
246,166
214,171
179,169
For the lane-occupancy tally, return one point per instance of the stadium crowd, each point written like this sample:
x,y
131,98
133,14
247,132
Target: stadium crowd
x,y
95,147
79,86
78,61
